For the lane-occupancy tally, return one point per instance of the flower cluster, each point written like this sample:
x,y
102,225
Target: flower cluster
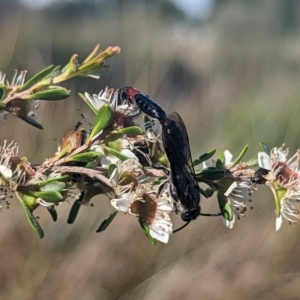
x,y
283,178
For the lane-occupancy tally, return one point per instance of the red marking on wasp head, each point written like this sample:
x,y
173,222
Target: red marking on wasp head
x,y
129,91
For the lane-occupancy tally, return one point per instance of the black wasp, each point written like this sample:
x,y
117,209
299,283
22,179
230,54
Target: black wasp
x,y
184,187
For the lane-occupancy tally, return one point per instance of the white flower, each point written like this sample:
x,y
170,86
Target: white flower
x,y
154,211
105,96
238,194
111,97
126,176
5,172
284,180
227,161
287,210
110,159
18,80
282,170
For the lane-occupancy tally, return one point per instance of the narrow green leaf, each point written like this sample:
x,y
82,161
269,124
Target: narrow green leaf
x,y
264,147
52,212
52,93
92,54
204,157
222,199
71,66
228,213
238,159
61,178
220,161
88,103
29,200
253,162
147,231
107,221
56,186
3,93
206,193
49,196
102,120
84,157
75,209
117,154
278,193
134,130
111,168
30,217
31,121
38,77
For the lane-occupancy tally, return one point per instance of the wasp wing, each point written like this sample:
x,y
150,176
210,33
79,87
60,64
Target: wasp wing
x,y
185,148
177,148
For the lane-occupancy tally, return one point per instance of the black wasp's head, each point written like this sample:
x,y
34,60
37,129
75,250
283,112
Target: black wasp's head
x,y
126,94
191,214
258,176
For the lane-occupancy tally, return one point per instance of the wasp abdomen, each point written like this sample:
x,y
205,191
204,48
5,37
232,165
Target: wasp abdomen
x,y
149,107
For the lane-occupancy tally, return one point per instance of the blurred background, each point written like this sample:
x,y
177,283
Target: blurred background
x,y
231,69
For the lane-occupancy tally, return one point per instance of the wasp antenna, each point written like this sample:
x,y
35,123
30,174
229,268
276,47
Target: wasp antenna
x,y
77,125
178,229
211,215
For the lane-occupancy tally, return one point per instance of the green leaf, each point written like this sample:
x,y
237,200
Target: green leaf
x,y
220,161
52,93
3,93
49,196
103,119
204,157
134,130
84,157
279,193
52,212
117,154
222,199
147,231
30,201
253,162
210,174
30,217
75,209
238,159
92,190
38,77
88,103
111,168
264,147
71,66
54,186
107,221
206,193
114,141
32,122
61,178
93,54
228,213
